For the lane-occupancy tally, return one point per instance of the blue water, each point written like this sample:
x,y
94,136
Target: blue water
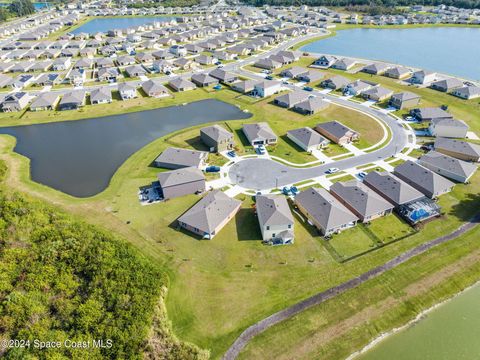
x,y
37,5
105,24
450,50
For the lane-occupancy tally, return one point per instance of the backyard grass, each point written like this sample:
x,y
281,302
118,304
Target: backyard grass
x,y
351,242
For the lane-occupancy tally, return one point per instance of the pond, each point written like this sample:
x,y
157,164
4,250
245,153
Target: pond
x,y
106,24
449,50
80,157
450,332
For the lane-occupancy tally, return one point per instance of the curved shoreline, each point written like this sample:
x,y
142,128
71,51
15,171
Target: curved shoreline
x,y
420,317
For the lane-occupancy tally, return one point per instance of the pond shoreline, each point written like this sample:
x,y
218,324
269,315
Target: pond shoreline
x,y
420,317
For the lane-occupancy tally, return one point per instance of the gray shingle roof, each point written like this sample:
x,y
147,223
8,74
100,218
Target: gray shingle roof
x,y
273,210
422,178
259,130
216,132
457,146
324,208
392,188
180,176
360,197
181,157
211,211
335,128
448,163
450,122
307,136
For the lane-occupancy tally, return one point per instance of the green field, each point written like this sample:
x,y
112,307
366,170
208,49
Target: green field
x,y
218,288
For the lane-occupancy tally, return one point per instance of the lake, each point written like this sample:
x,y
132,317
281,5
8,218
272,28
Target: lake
x,y
450,332
106,24
449,50
80,157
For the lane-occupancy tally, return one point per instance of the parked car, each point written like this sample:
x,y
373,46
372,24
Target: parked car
x,y
269,77
333,170
212,169
307,88
362,174
231,153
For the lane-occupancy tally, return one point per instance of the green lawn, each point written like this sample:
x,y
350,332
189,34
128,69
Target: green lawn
x,y
351,242
390,228
218,288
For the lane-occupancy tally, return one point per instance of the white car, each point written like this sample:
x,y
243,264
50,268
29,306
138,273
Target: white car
x,y
333,170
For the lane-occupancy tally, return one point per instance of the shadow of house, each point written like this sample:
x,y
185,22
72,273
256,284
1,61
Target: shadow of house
x,y
291,143
197,144
247,225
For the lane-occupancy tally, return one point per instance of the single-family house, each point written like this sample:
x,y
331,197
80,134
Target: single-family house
x,y
343,64
275,219
325,61
155,88
357,87
398,72
244,86
404,100
362,201
267,63
45,101
290,99
447,166
72,100
467,92
176,158
335,82
208,216
259,134
217,138
337,132
423,179
15,101
310,106
202,79
430,113
324,211
307,139
127,91
450,128
376,68
101,95
392,188
223,76
180,182
266,88
135,71
180,84
447,85
293,72
423,77
377,93
457,148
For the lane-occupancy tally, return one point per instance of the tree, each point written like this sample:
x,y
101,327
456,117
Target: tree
x,y
22,7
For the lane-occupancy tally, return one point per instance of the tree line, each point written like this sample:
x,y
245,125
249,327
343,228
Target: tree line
x,y
17,8
466,4
62,279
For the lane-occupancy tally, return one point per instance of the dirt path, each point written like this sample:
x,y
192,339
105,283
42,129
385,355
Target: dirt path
x,y
323,296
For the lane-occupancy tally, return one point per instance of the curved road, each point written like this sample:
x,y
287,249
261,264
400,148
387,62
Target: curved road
x,y
261,173
323,296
